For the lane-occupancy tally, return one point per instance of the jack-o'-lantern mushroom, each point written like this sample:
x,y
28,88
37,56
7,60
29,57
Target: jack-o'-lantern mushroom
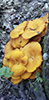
x,y
23,53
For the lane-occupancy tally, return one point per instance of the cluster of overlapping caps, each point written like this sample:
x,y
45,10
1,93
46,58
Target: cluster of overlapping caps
x,y
23,53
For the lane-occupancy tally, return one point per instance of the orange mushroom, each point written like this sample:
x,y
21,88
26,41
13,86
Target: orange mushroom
x,y
5,62
16,81
15,78
33,52
23,54
26,75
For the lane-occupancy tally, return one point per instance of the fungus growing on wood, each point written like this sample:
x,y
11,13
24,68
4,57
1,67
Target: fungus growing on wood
x,y
23,53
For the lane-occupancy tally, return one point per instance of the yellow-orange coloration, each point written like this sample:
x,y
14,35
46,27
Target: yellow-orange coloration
x,y
23,53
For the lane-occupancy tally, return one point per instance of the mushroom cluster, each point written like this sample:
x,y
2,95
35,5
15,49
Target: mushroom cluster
x,y
23,53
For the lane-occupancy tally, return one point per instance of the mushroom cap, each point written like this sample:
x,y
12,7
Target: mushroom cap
x,y
5,62
15,78
18,42
8,47
18,69
18,30
33,52
34,73
16,81
26,75
33,28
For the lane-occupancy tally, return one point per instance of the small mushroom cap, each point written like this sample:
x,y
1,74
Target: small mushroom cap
x,y
26,75
15,78
25,60
16,55
18,42
33,28
33,52
5,62
34,73
16,81
18,30
18,69
8,47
